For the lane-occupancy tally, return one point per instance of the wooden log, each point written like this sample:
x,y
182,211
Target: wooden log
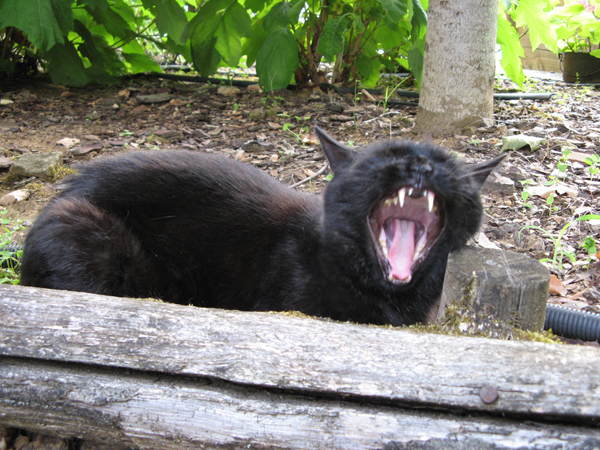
x,y
164,412
158,375
495,291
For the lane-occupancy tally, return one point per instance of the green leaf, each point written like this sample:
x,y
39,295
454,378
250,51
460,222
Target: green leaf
x,y
595,53
65,65
141,63
368,68
223,24
541,31
277,60
395,9
205,57
277,17
112,21
512,51
44,21
418,21
170,18
332,38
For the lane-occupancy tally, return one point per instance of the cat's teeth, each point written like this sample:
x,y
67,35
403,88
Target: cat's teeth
x,y
401,194
410,191
388,202
383,243
395,200
430,198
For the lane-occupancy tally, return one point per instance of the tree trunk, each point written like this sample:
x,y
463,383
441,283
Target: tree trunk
x,y
458,68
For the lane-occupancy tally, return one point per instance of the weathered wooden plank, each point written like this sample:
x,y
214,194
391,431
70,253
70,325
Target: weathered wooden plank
x,y
497,290
162,412
301,354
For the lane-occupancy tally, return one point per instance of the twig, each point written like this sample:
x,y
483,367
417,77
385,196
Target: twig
x,y
316,174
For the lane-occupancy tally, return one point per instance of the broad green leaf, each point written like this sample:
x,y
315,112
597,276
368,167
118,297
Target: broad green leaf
x,y
252,46
44,21
388,38
418,21
541,31
170,18
512,51
65,65
205,56
595,53
88,48
211,16
224,22
277,60
277,17
368,68
112,21
98,75
357,24
332,38
415,60
94,4
395,9
141,63
295,11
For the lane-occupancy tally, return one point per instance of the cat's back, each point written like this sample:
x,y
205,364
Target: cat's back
x,y
156,182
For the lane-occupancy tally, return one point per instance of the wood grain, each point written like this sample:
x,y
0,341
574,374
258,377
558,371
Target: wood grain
x,y
300,354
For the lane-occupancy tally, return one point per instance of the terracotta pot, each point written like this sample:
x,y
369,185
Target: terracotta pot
x,y
579,67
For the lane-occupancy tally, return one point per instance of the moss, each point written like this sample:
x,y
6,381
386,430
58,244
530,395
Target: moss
x,y
60,172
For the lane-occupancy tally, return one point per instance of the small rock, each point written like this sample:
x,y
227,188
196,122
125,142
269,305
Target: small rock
x,y
229,91
154,98
5,102
14,197
254,88
169,135
178,102
117,143
85,149
68,142
257,114
7,125
257,147
24,94
36,164
498,184
67,94
5,162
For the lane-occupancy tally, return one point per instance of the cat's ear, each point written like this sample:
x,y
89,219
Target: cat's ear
x,y
337,153
480,171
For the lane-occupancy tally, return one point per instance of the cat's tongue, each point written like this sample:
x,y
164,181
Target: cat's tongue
x,y
402,249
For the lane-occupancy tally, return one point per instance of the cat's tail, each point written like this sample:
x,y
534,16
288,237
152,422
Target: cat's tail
x,y
76,245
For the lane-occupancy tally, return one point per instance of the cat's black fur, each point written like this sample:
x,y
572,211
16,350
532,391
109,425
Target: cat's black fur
x,y
193,228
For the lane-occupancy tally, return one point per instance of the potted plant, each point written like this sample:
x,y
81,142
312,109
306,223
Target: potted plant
x,y
578,31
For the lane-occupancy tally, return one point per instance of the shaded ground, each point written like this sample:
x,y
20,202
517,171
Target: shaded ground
x,y
269,132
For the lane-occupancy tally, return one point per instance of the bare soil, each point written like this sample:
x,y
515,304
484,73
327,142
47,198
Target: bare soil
x,y
275,134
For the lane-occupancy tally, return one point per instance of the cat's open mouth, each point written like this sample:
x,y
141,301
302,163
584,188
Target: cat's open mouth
x,y
404,228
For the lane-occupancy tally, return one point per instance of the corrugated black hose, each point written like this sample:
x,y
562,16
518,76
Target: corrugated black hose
x,y
566,322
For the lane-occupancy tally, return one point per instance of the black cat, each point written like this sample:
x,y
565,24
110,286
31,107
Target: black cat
x,y
200,229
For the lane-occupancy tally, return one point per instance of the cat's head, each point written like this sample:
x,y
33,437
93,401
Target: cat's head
x,y
407,205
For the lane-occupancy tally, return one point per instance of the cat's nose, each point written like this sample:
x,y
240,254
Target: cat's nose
x,y
421,166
